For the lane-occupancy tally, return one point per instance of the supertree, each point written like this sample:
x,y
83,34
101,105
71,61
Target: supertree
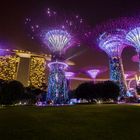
x,y
113,44
93,72
58,33
133,37
58,41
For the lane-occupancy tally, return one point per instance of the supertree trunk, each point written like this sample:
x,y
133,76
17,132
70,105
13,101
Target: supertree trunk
x,y
57,85
117,74
139,60
68,84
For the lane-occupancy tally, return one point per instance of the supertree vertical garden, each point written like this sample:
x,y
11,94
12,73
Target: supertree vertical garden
x,y
58,33
113,44
57,41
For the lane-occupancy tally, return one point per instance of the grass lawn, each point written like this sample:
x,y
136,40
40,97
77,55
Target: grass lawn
x,y
81,122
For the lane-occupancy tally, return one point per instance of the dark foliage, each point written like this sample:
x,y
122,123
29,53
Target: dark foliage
x,y
84,91
11,92
91,92
32,94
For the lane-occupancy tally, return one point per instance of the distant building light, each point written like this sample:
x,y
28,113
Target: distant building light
x,y
24,55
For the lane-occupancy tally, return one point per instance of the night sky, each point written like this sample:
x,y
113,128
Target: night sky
x,y
13,33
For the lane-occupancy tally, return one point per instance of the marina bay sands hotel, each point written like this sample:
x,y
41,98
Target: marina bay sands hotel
x,y
24,66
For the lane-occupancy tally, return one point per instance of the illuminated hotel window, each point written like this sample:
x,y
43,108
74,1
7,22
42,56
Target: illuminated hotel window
x,y
8,67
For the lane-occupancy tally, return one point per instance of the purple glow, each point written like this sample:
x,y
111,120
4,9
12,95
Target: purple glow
x,y
126,75
133,36
135,58
62,65
93,73
69,75
113,43
58,40
129,74
118,23
57,20
4,52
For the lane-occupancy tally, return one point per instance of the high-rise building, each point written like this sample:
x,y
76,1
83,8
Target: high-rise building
x,y
26,67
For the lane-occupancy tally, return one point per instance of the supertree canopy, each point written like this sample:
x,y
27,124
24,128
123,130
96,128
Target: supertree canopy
x,y
93,73
133,36
58,42
57,28
58,33
113,44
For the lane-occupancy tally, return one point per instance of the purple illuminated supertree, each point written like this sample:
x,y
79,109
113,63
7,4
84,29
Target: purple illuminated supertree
x,y
113,44
93,72
58,41
60,34
133,36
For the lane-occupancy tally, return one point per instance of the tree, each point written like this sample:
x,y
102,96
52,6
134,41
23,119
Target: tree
x,y
100,91
32,94
111,90
12,92
71,94
84,91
